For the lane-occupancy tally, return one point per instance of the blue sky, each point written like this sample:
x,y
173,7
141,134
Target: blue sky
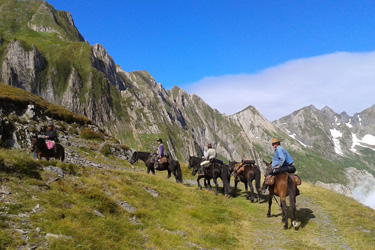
x,y
250,49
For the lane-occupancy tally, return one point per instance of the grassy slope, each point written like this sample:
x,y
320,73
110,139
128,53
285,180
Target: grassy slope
x,y
181,217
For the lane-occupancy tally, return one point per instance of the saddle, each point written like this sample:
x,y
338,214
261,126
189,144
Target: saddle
x,y
250,162
163,160
270,179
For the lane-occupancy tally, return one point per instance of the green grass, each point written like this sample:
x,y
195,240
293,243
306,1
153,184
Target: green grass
x,y
22,98
181,217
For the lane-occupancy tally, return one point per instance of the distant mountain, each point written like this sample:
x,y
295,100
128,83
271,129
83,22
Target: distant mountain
x,y
337,137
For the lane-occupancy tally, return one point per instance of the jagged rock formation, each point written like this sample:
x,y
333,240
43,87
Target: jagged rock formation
x,y
21,67
47,19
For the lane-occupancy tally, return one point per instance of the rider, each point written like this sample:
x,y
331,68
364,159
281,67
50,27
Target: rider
x,y
209,156
160,153
281,161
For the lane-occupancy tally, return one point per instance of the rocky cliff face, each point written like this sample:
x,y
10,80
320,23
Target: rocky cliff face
x,y
47,19
22,67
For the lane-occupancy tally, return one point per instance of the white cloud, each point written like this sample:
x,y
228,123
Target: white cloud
x,y
342,81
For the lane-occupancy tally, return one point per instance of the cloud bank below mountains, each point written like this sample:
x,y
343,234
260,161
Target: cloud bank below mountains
x,y
342,81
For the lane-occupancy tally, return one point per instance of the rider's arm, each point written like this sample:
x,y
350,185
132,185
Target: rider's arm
x,y
281,156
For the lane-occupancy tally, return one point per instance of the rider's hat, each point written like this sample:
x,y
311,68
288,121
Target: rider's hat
x,y
161,141
50,125
209,145
275,141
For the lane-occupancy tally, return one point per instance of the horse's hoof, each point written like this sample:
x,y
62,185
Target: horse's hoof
x,y
268,216
285,227
294,223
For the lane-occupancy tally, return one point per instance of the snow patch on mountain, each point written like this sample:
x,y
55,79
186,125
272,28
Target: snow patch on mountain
x,y
335,135
348,124
367,141
294,137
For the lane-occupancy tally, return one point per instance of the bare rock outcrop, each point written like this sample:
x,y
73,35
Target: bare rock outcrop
x,y
22,66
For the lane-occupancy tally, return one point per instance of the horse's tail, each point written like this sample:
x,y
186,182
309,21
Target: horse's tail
x,y
179,173
225,177
258,175
62,157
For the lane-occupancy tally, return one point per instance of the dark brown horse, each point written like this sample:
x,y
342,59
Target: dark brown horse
x,y
250,173
283,186
214,171
172,166
39,146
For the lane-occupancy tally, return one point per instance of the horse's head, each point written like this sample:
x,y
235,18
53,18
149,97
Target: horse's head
x,y
194,163
232,165
268,164
34,143
191,161
134,157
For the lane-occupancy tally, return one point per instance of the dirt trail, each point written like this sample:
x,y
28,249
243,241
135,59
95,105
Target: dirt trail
x,y
314,223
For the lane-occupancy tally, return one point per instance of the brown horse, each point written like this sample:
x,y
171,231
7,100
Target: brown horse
x,y
283,186
250,173
39,146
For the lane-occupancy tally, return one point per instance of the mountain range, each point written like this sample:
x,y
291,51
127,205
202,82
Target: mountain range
x,y
42,51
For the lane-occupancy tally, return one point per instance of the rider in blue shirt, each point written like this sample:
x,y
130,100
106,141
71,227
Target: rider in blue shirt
x,y
281,158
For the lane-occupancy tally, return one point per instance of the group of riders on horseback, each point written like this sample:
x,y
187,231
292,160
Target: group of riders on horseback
x,y
279,178
279,174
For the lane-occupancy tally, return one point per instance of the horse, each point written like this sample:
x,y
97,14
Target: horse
x,y
214,171
172,166
283,186
39,146
250,173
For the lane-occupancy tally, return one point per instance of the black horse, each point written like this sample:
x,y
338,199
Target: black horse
x,y
214,171
172,166
250,173
39,146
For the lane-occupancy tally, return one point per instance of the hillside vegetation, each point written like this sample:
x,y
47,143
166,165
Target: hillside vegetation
x,y
93,208
97,200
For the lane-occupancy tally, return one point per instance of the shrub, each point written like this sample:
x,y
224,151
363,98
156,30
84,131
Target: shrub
x,y
91,135
106,150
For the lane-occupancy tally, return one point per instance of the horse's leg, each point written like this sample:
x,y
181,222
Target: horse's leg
x,y
169,174
285,211
199,184
205,183
250,183
246,191
269,204
151,167
174,172
216,185
208,184
235,188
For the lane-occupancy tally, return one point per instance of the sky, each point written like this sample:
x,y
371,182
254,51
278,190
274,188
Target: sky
x,y
278,56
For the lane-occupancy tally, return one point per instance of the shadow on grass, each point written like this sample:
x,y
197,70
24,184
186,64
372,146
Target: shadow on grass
x,y
22,168
303,215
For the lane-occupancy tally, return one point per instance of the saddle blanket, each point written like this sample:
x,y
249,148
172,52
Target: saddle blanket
x,y
50,144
